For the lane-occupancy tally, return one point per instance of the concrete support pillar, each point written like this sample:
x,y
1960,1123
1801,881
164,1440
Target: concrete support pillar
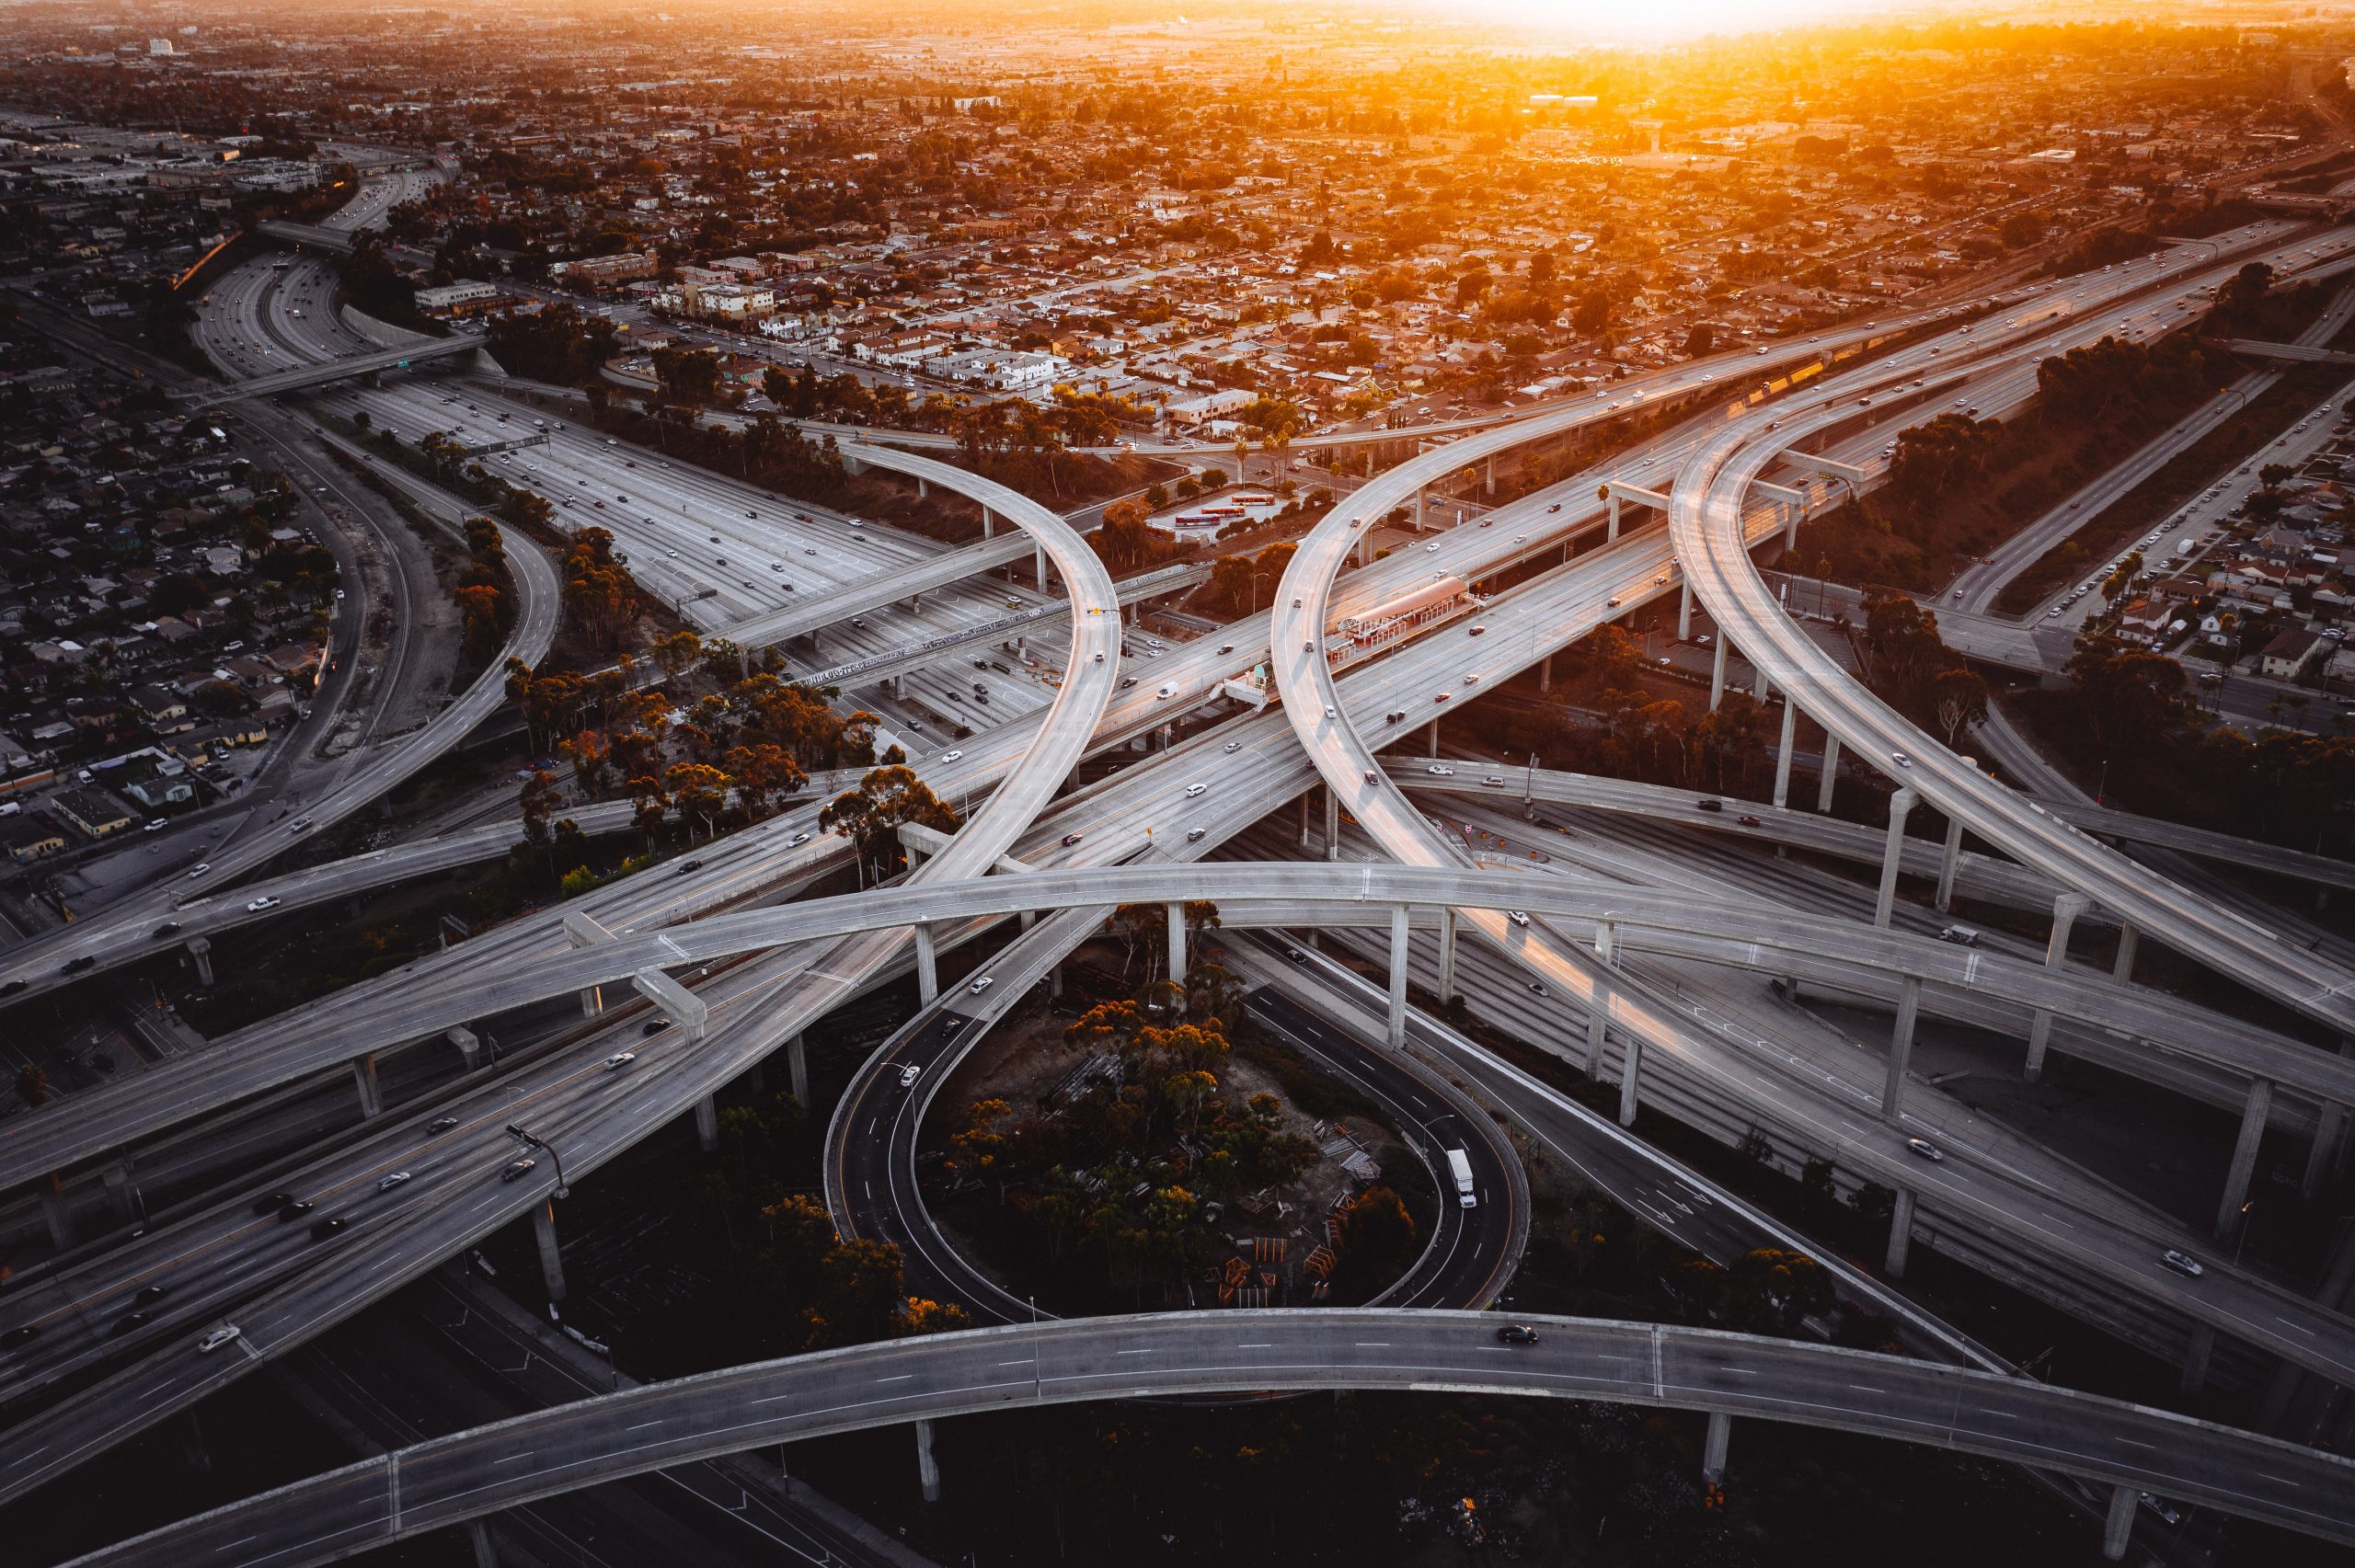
x,y
1791,515
927,966
1713,1451
1901,1044
2121,969
2195,1358
469,1046
593,1001
1900,805
1446,954
478,1536
1829,774
1489,485
363,1078
927,1468
1758,685
1611,530
57,1214
1949,862
1598,1030
1683,611
1332,824
1900,1234
1303,817
1783,752
1717,673
1039,567
797,1067
2254,1112
2322,1156
201,949
1433,738
1177,943
122,1196
989,524
2065,911
924,492
1422,496
1397,1020
1631,1063
1545,675
551,1260
707,1123
2119,1527
1055,983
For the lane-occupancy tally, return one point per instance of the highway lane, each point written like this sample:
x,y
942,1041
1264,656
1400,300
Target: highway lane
x,y
1711,539
464,1476
763,1004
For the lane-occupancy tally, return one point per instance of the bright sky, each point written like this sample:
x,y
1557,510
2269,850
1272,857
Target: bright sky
x,y
1662,19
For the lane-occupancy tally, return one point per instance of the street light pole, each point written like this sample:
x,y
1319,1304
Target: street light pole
x,y
533,1141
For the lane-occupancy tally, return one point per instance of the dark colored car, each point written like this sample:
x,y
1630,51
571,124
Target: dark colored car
x,y
326,1227
1517,1333
273,1203
298,1208
1709,805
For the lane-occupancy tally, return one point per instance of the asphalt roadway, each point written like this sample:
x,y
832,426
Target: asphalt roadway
x,y
433,1485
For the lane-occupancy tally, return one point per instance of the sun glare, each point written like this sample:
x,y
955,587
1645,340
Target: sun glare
x,y
1661,19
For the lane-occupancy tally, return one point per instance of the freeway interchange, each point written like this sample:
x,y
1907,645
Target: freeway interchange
x,y
763,970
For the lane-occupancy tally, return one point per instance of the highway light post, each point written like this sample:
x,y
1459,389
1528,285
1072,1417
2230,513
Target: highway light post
x,y
533,1141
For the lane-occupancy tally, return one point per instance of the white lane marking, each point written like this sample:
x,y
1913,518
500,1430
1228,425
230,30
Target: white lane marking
x,y
1133,1353
642,1426
1262,1344
512,1458
901,1378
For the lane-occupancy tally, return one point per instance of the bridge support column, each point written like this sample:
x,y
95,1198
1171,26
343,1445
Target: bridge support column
x,y
797,1067
2195,1356
1631,1065
1545,675
1039,567
1446,954
1900,805
57,1214
1435,739
1055,983
1829,774
201,949
123,1194
478,1536
2119,1527
1422,494
2253,1111
551,1260
707,1123
989,524
1598,1030
1611,530
1949,863
1489,485
1332,824
1177,943
363,1078
469,1046
593,1001
1758,686
2122,968
1783,752
1683,611
927,1468
1718,674
1900,1234
1901,1044
1792,516
927,966
2065,911
1305,802
1713,1451
1397,1021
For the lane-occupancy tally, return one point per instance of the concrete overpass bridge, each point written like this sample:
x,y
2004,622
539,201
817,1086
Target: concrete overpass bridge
x,y
401,358
449,1480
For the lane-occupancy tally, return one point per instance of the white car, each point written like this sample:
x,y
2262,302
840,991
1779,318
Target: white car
x,y
1233,747
620,1060
389,1183
219,1337
258,905
1166,693
1517,917
1440,770
1194,789
952,756
909,1074
1901,759
981,985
